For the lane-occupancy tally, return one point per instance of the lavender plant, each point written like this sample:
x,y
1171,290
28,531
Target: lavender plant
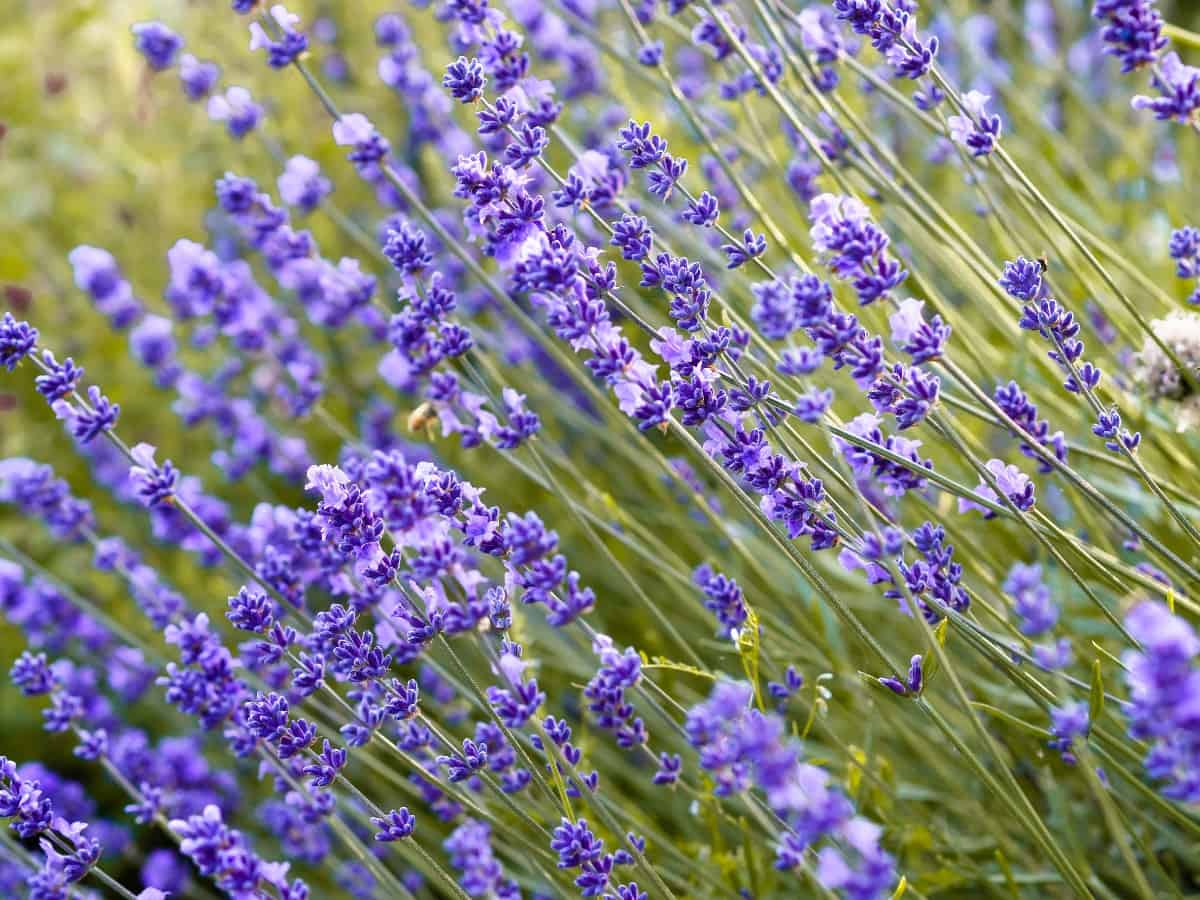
x,y
495,448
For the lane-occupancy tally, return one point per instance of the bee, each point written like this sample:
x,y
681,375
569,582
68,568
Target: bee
x,y
1042,264
424,417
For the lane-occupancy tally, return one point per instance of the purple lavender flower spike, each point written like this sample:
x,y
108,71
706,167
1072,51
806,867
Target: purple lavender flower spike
x,y
225,855
723,598
198,77
237,109
1032,602
1132,31
1184,248
1164,683
465,80
1178,86
291,44
395,826
745,749
1015,484
480,873
975,129
32,674
1068,723
155,484
88,422
853,246
17,341
301,184
158,44
367,145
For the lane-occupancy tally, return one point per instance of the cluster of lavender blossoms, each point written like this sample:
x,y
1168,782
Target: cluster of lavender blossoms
x,y
779,542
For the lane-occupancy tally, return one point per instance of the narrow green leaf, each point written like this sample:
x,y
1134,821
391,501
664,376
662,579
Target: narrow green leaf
x,y
1112,659
748,650
1096,699
661,662
941,631
1012,720
1002,862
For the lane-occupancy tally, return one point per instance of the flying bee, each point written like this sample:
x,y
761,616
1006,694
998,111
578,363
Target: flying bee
x,y
424,417
1042,264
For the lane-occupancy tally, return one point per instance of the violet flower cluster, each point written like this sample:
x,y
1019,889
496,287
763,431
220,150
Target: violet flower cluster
x,y
1022,279
745,750
1163,680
